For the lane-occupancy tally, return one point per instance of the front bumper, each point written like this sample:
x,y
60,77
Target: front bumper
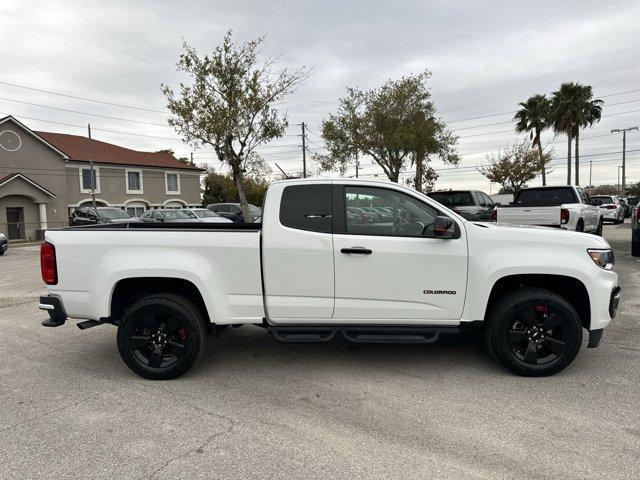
x,y
53,305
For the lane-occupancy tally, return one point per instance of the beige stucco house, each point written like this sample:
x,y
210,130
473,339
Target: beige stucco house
x,y
44,176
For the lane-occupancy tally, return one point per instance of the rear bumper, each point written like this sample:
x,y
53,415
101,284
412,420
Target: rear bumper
x,y
54,307
609,214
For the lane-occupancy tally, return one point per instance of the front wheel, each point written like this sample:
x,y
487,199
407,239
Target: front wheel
x,y
534,332
161,336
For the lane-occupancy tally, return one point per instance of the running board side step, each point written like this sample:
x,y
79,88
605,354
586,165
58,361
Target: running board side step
x,y
360,333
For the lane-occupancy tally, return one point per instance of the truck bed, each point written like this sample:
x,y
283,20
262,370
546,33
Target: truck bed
x,y
167,226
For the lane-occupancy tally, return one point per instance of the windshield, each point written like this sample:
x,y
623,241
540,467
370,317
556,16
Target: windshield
x,y
453,199
544,197
174,215
204,213
254,210
112,213
601,200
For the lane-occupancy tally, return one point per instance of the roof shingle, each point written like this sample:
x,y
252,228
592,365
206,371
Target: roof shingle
x,y
77,149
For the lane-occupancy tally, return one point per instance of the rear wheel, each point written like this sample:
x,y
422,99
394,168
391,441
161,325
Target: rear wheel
x,y
599,228
635,246
161,336
580,226
534,332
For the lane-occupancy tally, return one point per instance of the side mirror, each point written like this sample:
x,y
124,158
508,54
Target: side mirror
x,y
444,227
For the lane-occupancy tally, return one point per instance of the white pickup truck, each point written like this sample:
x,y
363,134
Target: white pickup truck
x,y
566,207
311,271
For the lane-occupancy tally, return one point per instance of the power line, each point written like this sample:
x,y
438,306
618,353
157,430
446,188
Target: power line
x,y
85,113
85,98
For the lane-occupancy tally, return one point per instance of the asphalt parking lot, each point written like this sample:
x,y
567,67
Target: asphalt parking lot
x,y
256,408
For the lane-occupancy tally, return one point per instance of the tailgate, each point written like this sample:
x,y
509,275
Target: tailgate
x,y
549,216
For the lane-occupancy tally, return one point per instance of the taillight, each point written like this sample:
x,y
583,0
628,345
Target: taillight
x,y
494,215
48,267
564,216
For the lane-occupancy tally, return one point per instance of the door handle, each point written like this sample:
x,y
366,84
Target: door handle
x,y
357,250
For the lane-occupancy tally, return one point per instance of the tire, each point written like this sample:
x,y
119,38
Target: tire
x,y
547,319
622,219
161,336
635,247
599,228
580,226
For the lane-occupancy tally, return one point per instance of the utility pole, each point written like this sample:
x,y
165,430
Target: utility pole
x,y
304,152
590,169
93,173
624,154
191,158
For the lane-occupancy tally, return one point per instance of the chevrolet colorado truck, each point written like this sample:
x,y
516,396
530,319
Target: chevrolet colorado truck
x,y
310,273
568,207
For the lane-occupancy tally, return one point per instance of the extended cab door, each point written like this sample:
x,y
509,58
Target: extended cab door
x,y
297,253
395,271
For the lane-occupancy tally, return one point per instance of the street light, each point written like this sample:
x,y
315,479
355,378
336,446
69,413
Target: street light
x,y
624,153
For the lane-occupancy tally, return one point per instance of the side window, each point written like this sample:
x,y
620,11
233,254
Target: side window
x,y
480,201
393,214
487,200
306,207
81,213
235,209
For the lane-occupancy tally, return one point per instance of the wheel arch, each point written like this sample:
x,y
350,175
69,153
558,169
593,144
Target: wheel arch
x,y
570,288
127,291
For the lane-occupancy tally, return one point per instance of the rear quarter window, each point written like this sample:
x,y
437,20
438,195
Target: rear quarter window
x,y
306,207
545,197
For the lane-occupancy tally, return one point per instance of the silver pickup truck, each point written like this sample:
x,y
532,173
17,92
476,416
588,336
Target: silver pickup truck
x,y
567,207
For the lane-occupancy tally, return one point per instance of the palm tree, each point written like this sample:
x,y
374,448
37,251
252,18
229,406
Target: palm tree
x,y
572,108
589,113
533,118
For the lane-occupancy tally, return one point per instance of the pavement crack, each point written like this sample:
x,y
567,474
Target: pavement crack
x,y
198,448
55,410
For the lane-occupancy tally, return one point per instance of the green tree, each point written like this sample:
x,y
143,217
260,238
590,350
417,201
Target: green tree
x,y
533,118
395,125
572,108
220,188
229,104
515,166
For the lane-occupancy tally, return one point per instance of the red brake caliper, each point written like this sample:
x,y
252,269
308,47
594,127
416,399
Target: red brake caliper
x,y
183,334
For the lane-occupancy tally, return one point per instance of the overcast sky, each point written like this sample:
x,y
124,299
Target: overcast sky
x,y
485,57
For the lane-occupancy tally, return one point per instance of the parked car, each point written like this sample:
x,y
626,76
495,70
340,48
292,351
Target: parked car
x,y
233,212
635,232
610,207
306,273
471,204
569,208
365,217
627,208
205,215
632,201
167,215
4,243
98,215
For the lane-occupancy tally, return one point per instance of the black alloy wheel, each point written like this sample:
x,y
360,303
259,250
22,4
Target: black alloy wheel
x,y
161,336
534,332
537,336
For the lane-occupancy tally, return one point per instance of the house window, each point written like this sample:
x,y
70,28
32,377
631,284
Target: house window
x,y
172,183
85,179
135,209
134,181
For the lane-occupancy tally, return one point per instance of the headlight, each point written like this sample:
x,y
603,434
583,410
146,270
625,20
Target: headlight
x,y
603,258
2,237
